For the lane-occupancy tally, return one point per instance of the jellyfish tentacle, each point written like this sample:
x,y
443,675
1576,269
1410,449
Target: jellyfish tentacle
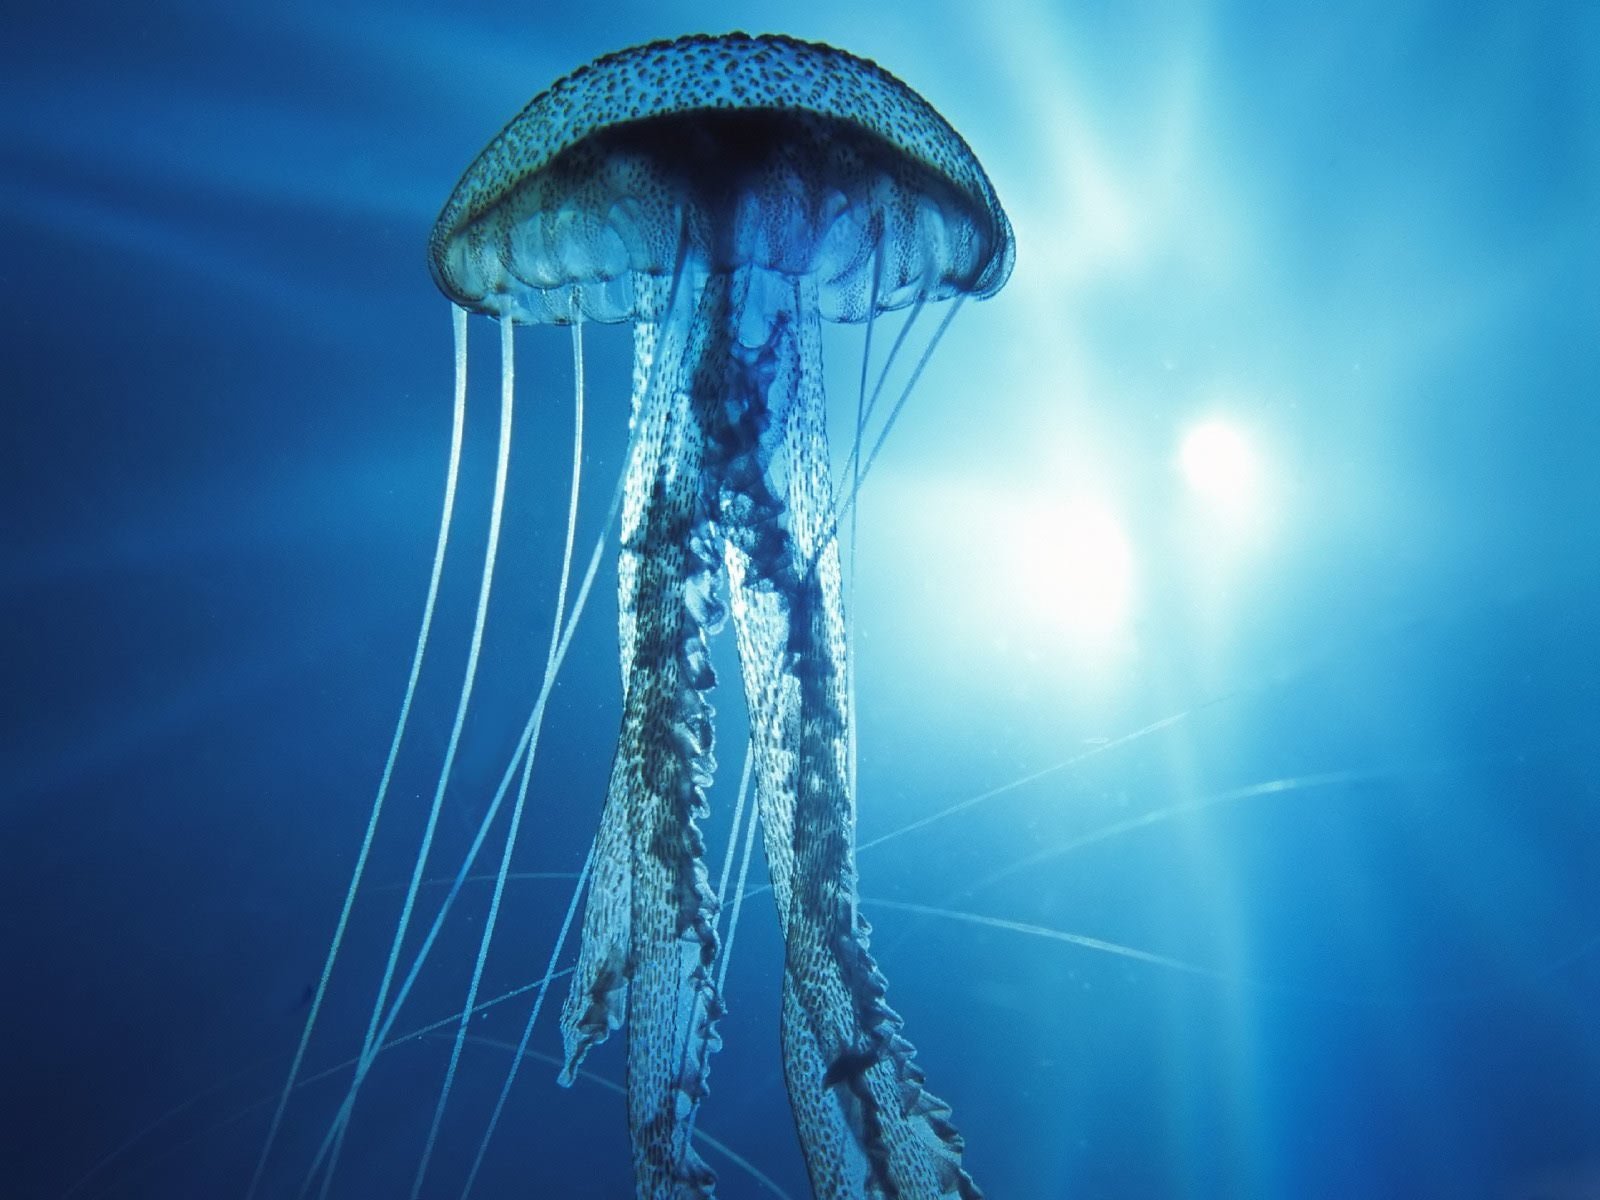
x,y
649,932
597,999
866,1123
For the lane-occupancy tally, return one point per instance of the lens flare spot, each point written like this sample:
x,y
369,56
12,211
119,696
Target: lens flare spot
x,y
1077,567
1220,464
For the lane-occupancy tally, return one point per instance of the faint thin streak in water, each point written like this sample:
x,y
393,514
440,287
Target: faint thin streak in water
x,y
1269,787
1441,998
1056,935
1043,773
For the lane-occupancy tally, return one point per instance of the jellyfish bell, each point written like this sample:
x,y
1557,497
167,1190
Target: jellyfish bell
x,y
725,195
727,152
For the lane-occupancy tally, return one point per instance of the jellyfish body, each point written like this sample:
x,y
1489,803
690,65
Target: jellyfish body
x,y
726,195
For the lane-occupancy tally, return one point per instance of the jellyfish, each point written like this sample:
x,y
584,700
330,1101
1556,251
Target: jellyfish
x,y
726,195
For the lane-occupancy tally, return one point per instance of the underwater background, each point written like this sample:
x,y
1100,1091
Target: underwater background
x,y
1226,604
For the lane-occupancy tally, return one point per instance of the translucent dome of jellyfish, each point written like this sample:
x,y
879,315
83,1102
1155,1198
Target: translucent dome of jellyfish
x,y
724,195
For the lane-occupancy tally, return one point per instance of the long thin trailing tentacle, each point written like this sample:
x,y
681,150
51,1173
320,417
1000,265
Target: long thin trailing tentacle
x,y
519,807
452,475
856,472
372,1039
527,1027
848,504
725,952
522,790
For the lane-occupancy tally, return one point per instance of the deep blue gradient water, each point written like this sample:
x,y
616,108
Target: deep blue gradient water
x,y
1296,734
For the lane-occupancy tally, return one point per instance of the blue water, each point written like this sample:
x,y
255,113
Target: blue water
x,y
1315,740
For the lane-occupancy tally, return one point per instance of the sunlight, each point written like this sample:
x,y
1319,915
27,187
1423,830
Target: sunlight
x,y
1047,572
1220,465
1074,568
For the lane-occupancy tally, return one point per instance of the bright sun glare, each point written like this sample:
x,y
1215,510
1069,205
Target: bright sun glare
x,y
1079,564
1220,464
